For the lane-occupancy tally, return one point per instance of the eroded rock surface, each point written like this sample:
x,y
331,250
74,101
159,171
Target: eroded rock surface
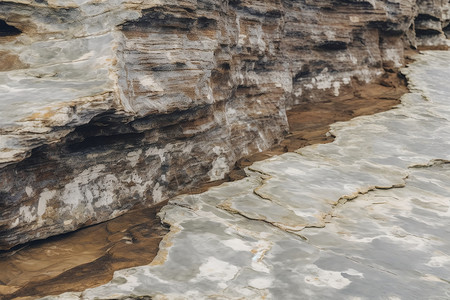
x,y
90,256
105,105
290,231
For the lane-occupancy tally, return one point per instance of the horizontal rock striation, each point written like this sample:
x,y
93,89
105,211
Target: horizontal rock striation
x,y
109,105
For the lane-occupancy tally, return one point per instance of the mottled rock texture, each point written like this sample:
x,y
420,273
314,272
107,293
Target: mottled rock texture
x,y
108,104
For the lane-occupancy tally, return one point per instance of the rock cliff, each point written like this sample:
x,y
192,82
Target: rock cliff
x,y
106,105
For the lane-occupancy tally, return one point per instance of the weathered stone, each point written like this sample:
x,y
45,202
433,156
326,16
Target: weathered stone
x,y
391,241
106,105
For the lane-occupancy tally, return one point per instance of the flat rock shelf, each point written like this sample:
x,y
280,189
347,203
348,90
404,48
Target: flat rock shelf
x,y
290,231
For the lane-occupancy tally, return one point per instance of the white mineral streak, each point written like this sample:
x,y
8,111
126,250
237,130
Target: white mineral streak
x,y
244,240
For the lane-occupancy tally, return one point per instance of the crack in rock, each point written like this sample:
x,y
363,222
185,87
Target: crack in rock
x,y
431,163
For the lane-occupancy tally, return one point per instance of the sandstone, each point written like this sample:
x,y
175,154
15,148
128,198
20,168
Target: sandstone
x,y
107,105
374,205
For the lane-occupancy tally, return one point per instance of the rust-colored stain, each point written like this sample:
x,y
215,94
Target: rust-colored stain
x,y
81,259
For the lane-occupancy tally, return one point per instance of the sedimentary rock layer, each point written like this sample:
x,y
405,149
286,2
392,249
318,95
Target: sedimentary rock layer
x,y
364,217
105,105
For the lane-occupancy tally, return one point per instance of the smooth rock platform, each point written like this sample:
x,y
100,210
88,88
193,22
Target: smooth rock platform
x,y
290,231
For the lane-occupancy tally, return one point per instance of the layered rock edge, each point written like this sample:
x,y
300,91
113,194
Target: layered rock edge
x,y
289,230
106,105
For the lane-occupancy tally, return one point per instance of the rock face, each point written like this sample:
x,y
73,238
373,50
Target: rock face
x,y
107,105
363,217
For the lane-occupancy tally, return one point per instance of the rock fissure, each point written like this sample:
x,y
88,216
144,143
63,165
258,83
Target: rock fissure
x,y
274,224
432,163
344,199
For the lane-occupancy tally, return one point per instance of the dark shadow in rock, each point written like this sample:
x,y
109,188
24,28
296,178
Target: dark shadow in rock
x,y
8,30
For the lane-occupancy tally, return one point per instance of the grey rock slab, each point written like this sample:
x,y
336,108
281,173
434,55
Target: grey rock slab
x,y
365,217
